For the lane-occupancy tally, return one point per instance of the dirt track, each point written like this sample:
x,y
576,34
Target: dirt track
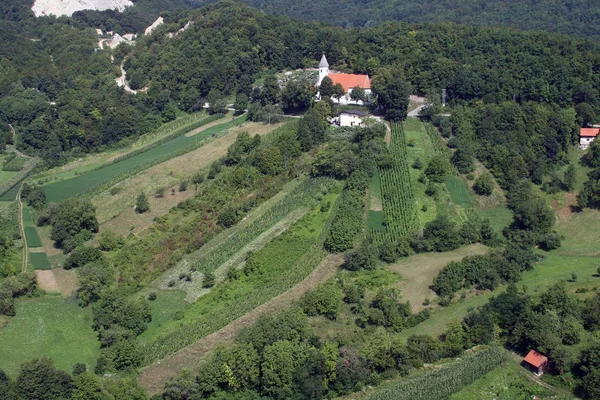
x,y
154,377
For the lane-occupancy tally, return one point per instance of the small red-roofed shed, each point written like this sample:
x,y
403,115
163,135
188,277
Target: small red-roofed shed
x,y
537,362
587,136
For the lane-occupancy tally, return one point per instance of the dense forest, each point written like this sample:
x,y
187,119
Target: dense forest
x,y
60,94
574,17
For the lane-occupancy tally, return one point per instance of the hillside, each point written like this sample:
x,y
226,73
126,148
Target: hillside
x,y
573,17
228,233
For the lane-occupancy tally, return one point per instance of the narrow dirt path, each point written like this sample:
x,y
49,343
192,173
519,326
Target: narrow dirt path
x,y
154,377
22,228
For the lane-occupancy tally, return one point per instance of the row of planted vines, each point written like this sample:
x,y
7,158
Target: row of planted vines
x,y
442,382
399,206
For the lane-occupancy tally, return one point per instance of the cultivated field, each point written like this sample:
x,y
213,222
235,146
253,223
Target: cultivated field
x,y
162,152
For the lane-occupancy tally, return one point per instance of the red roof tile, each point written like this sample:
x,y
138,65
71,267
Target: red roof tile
x,y
349,81
536,359
589,132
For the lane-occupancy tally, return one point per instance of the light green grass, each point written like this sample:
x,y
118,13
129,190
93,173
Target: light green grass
x,y
375,221
164,308
507,382
72,187
500,217
33,239
459,192
27,217
52,327
5,175
39,261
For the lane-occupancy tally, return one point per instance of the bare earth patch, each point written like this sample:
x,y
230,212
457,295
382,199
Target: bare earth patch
x,y
66,280
116,211
154,377
46,281
57,280
565,212
418,272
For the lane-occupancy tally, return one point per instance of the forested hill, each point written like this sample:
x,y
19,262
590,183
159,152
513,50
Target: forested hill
x,y
573,17
61,97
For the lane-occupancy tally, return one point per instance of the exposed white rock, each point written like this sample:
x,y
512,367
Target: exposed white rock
x,y
68,7
159,21
185,28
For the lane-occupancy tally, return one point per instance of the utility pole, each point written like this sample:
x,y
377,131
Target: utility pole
x,y
443,97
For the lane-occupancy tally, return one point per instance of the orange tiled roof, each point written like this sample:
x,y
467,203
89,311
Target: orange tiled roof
x,y
589,132
536,359
349,81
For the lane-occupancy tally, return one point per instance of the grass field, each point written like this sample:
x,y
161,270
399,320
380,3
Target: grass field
x,y
5,175
88,180
500,216
459,191
39,260
419,270
49,326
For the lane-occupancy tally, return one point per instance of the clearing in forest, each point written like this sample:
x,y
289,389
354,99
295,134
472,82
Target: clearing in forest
x,y
52,326
419,270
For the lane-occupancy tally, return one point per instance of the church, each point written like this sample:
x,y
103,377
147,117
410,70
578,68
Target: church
x,y
348,82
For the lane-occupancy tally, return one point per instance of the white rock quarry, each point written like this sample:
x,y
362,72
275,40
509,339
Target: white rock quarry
x,y
68,7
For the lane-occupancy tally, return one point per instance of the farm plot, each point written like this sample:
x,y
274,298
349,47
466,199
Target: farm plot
x,y
231,248
399,207
282,263
122,168
440,383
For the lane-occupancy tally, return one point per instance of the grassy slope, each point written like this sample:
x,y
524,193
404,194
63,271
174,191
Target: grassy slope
x,y
5,175
86,181
48,326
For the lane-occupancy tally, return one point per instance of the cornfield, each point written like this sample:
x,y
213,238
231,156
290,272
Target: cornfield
x,y
446,380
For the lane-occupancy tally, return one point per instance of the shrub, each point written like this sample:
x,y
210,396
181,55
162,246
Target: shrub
x,y
110,240
142,205
152,296
418,164
323,300
82,256
209,280
183,186
484,185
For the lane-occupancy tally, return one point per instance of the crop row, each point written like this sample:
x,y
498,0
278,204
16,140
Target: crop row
x,y
284,262
303,195
442,382
439,146
399,206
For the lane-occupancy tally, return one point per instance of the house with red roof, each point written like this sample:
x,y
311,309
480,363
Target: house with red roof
x,y
348,81
587,136
537,362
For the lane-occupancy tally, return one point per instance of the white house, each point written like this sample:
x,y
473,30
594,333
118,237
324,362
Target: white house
x,y
348,81
351,118
587,136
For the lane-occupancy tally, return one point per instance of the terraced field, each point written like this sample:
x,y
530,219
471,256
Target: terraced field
x,y
85,182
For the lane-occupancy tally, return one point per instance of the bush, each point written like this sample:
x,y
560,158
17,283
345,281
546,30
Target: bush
x,y
418,164
82,256
364,258
142,205
484,185
110,240
324,300
183,186
438,169
209,280
152,296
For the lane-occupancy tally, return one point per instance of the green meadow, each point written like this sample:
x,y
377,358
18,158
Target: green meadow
x,y
49,326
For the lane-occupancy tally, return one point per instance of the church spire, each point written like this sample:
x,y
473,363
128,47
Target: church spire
x,y
323,63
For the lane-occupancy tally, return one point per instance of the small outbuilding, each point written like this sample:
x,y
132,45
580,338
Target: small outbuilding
x,y
536,362
351,118
587,136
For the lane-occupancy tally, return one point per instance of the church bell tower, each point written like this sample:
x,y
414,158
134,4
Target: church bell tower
x,y
323,69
